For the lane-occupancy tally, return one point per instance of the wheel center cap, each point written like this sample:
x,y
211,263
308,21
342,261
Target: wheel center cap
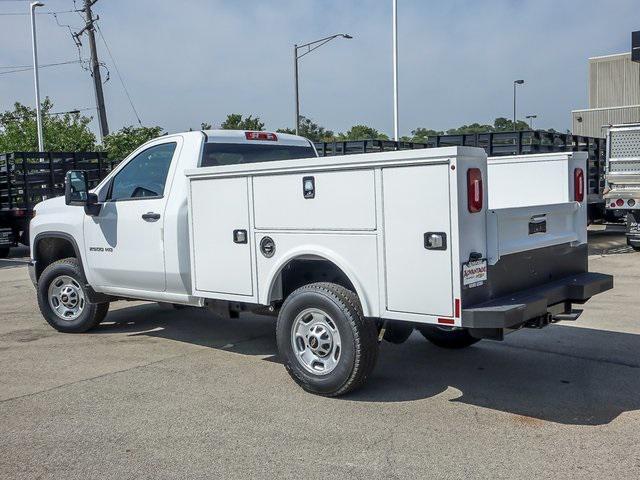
x,y
313,342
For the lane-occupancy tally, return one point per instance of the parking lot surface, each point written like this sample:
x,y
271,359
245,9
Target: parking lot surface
x,y
162,393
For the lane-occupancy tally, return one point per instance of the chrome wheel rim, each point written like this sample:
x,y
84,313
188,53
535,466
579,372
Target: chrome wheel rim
x,y
66,297
316,341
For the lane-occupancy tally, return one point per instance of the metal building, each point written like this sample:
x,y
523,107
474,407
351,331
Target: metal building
x,y
614,95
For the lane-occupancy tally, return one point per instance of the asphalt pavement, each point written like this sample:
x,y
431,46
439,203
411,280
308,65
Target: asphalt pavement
x,y
161,393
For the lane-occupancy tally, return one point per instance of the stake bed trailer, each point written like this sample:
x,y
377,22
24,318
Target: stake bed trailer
x,y
343,249
27,178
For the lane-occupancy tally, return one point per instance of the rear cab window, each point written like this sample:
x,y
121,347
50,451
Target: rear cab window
x,y
216,154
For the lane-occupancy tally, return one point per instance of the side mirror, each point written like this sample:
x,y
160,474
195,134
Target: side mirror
x,y
76,188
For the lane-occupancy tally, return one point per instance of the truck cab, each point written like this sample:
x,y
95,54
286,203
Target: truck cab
x,y
132,243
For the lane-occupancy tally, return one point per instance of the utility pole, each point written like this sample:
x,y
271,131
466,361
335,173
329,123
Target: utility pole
x,y
95,66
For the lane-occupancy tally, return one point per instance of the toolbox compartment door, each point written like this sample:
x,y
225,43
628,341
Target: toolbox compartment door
x,y
343,200
416,201
221,242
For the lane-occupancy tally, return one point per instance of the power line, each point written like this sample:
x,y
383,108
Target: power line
x,y
115,65
29,67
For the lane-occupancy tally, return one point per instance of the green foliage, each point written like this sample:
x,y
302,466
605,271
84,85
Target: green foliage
x,y
235,121
205,126
362,132
121,143
311,130
472,128
502,124
421,134
67,133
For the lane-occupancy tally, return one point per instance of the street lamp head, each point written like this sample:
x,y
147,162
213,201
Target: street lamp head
x,y
519,82
37,4
347,36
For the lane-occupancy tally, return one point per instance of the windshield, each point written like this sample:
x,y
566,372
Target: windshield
x,y
235,153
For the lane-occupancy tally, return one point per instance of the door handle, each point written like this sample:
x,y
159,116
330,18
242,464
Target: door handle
x,y
150,216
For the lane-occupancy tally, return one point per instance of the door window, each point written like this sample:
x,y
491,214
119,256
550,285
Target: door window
x,y
145,175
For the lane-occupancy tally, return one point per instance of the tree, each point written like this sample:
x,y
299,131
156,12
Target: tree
x,y
235,121
205,126
502,124
121,143
362,132
472,128
64,132
311,130
421,134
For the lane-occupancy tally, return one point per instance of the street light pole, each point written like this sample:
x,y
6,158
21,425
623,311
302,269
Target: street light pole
x,y
297,96
530,118
515,83
311,46
36,79
395,71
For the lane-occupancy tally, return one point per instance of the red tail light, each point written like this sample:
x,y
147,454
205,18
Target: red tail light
x,y
578,185
261,136
474,190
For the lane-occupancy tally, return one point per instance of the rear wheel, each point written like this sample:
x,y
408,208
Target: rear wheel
x,y
4,252
63,299
448,337
327,345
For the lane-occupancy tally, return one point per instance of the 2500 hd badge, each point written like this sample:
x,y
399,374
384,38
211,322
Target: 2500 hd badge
x,y
101,249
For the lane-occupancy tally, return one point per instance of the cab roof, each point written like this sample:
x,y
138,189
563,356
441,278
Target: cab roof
x,y
255,137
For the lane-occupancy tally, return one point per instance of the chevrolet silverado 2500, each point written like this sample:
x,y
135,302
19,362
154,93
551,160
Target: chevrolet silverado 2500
x,y
345,250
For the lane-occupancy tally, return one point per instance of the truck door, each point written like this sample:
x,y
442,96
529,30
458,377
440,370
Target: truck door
x,y
124,242
417,206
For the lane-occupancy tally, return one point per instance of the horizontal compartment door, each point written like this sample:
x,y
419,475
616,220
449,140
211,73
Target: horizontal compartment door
x,y
342,200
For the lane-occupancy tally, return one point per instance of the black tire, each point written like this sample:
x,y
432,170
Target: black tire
x,y
358,339
447,337
4,252
91,314
636,247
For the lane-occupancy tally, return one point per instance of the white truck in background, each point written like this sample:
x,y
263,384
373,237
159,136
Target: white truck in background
x,y
622,177
344,250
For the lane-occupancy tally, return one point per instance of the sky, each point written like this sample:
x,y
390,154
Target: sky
x,y
190,61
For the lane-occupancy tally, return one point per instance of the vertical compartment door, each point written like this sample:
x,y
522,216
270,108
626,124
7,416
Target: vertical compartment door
x,y
417,202
220,223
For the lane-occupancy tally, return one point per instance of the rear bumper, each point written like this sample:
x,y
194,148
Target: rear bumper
x,y
513,311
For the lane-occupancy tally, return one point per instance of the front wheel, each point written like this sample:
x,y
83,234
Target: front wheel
x,y
448,337
63,299
327,345
4,252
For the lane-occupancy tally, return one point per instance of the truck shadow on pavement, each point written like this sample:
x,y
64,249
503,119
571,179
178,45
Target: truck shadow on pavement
x,y
562,374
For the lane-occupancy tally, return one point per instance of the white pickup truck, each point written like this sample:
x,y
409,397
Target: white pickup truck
x,y
344,250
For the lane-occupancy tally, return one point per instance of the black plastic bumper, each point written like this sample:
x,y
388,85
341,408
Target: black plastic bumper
x,y
513,311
